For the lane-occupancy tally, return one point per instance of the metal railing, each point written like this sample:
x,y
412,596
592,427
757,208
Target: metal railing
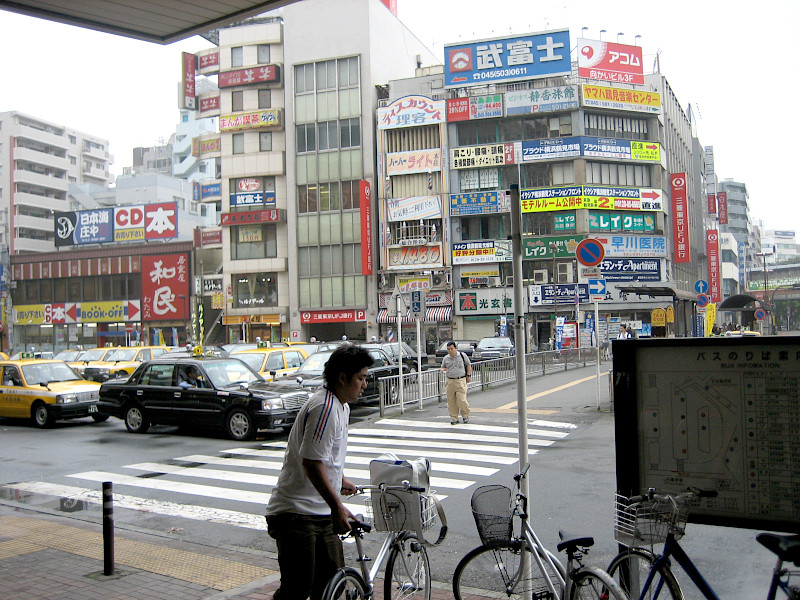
x,y
485,374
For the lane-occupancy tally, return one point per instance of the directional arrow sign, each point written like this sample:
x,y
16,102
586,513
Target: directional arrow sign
x,y
590,252
597,289
701,286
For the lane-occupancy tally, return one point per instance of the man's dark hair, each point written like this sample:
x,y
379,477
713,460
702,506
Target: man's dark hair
x,y
346,360
451,343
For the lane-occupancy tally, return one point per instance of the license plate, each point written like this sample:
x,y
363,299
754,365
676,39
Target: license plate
x,y
93,408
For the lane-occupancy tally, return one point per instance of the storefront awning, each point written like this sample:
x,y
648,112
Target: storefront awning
x,y
432,314
657,289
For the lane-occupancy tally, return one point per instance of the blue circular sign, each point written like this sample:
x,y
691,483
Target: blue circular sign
x,y
760,314
701,286
702,300
590,252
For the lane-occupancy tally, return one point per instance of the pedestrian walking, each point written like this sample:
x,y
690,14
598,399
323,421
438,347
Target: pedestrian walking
x,y
305,512
623,333
458,369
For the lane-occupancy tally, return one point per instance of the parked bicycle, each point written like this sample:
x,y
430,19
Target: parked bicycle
x,y
407,573
645,522
519,566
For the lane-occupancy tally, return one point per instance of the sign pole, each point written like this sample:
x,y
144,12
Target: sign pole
x,y
419,362
597,346
400,348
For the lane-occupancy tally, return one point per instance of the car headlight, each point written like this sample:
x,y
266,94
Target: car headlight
x,y
272,404
66,398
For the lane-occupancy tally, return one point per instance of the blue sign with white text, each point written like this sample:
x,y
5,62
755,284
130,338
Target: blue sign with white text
x,y
508,59
631,269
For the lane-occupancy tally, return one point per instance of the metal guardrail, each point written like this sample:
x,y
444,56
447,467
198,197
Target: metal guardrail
x,y
485,374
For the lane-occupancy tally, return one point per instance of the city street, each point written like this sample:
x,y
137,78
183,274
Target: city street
x,y
201,487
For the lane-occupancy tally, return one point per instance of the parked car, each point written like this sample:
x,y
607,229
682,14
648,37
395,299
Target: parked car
x,y
273,363
69,356
92,357
230,348
203,351
122,362
232,397
45,391
493,347
409,354
309,375
465,346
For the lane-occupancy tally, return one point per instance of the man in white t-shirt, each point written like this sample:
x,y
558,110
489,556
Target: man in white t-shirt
x,y
305,511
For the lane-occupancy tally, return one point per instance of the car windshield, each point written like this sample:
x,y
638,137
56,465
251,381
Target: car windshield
x,y
48,372
95,354
68,355
494,343
223,373
120,355
254,360
314,365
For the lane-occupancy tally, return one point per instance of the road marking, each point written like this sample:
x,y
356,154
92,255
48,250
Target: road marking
x,y
405,434
540,423
553,390
473,427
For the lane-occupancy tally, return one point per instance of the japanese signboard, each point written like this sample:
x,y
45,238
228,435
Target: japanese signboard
x,y
608,221
542,100
478,203
714,266
417,207
210,190
413,284
209,103
365,205
414,161
252,199
429,255
200,147
165,287
332,316
469,157
631,269
609,61
561,293
621,99
188,99
722,206
264,74
543,246
680,218
209,59
639,246
114,311
712,204
493,301
592,197
474,107
84,227
567,147
255,216
508,59
259,119
121,224
465,253
411,111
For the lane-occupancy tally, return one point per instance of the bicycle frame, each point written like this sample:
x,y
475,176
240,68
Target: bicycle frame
x,y
673,549
539,553
369,575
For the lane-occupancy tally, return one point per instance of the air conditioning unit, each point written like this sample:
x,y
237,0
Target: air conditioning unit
x,y
494,281
565,272
540,276
510,281
438,280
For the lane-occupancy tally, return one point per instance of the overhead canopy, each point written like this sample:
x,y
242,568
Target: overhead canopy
x,y
159,22
740,302
657,289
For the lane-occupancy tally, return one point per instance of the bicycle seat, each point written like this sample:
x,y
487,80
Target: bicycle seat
x,y
571,543
787,547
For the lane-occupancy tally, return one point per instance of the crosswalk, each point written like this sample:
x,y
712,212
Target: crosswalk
x,y
233,486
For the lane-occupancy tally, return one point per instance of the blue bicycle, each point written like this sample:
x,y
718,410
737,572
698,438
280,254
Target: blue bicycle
x,y
644,522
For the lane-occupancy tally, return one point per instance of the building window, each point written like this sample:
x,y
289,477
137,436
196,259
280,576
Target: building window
x,y
304,78
629,128
238,143
254,241
237,101
265,141
255,289
326,75
618,174
237,56
307,199
328,135
350,133
264,98
262,51
348,72
73,140
306,138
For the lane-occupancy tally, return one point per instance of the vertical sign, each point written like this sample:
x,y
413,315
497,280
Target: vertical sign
x,y
742,263
365,202
712,204
188,95
712,250
165,287
722,202
680,218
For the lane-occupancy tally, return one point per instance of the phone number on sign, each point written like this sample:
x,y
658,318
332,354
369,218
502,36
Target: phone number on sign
x,y
498,73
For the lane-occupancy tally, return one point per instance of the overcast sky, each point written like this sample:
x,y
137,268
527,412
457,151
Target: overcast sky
x,y
732,61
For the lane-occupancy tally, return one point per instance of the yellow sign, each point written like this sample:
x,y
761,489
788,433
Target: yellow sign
x,y
470,157
670,314
646,151
480,272
711,317
609,97
413,284
658,317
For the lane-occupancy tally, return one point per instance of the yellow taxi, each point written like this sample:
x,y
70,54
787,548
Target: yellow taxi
x,y
91,357
3,356
69,356
45,391
272,363
121,362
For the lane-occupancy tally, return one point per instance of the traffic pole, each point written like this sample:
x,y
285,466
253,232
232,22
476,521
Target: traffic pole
x,y
108,529
597,346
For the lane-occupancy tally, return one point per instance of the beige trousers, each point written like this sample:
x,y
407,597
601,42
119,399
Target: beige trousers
x,y
457,398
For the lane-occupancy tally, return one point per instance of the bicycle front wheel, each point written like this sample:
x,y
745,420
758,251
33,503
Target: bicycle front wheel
x,y
496,569
408,570
591,583
631,568
346,584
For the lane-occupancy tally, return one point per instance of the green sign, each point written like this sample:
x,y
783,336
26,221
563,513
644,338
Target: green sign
x,y
540,246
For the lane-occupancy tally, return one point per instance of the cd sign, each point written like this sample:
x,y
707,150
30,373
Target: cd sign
x,y
249,184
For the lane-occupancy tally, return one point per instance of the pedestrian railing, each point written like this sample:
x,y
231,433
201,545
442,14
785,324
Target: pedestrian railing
x,y
485,374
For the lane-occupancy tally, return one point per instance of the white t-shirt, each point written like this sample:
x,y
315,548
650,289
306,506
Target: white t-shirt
x,y
320,433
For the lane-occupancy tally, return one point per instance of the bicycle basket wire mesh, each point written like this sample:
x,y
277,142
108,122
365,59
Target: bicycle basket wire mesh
x,y
387,510
491,508
648,522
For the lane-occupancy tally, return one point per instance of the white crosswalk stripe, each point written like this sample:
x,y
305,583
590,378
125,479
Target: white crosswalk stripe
x,y
240,479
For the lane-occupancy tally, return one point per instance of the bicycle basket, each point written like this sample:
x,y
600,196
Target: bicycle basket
x,y
387,510
648,522
491,508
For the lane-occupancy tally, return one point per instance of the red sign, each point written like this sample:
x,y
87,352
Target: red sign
x,y
188,99
365,202
208,60
712,204
211,103
608,61
332,316
723,207
590,252
249,184
458,109
160,220
680,218
267,73
165,287
254,216
714,267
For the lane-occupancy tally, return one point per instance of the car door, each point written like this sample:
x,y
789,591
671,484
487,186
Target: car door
x,y
154,391
275,362
194,405
12,403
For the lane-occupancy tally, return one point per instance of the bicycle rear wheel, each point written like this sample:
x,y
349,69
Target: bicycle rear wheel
x,y
408,570
631,568
591,583
346,584
495,569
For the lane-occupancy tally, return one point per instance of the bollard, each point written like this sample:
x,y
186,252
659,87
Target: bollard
x,y
108,529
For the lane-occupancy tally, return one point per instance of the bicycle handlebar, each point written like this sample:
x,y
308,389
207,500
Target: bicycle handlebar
x,y
690,493
405,486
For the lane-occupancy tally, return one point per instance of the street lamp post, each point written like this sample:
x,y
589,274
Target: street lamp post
x,y
553,249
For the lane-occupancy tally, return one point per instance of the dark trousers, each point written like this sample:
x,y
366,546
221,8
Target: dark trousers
x,y
309,552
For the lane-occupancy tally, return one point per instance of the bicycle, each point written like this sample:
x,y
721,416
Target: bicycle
x,y
407,573
646,521
520,566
